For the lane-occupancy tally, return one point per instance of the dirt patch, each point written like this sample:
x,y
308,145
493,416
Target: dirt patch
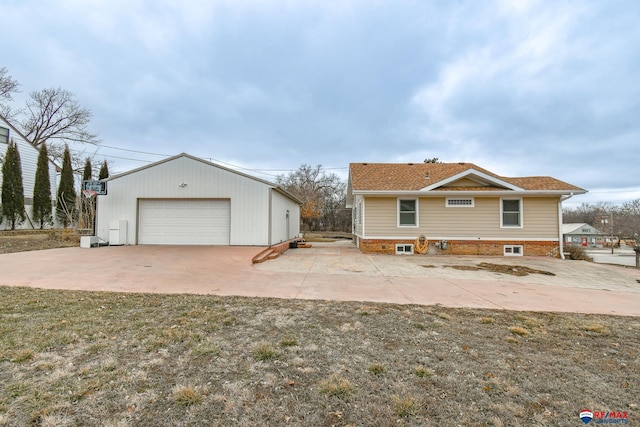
x,y
514,270
23,241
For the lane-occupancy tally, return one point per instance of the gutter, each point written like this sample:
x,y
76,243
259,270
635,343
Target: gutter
x,y
460,193
561,237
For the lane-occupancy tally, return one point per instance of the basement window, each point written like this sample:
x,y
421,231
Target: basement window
x,y
402,249
460,203
513,250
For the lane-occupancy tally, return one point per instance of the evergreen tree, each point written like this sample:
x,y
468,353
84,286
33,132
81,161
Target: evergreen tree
x,y
87,175
42,210
104,171
12,189
66,199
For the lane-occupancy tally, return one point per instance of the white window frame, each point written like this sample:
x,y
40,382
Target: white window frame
x,y
8,136
513,250
416,213
521,213
471,204
401,248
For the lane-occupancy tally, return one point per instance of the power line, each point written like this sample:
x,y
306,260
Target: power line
x,y
263,171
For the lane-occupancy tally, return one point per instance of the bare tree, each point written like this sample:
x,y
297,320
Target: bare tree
x,y
630,219
8,87
591,214
321,194
55,117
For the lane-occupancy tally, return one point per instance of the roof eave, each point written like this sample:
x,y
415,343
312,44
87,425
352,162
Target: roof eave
x,y
472,171
440,193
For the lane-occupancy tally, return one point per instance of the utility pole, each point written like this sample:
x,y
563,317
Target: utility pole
x,y
604,222
611,222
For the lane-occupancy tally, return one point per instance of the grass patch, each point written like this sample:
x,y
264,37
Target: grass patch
x,y
288,342
518,330
422,372
187,395
23,356
405,406
376,369
264,352
596,328
338,387
94,359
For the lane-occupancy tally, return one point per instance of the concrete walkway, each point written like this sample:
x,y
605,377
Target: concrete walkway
x,y
335,271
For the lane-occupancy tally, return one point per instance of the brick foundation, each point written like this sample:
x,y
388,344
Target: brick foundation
x,y
465,247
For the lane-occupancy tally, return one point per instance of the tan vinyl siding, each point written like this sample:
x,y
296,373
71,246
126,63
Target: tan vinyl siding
x,y
381,218
539,215
464,182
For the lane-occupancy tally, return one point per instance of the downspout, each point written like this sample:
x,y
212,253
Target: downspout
x,y
270,219
561,237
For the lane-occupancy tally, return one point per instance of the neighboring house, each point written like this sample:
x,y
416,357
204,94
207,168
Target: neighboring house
x,y
582,234
459,208
184,200
29,162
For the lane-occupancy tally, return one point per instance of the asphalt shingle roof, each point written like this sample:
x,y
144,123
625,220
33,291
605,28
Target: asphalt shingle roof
x,y
416,176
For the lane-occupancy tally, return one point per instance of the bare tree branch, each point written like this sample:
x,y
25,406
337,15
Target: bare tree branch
x,y
55,117
8,86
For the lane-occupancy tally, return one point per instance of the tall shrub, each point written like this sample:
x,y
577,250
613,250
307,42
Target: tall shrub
x,y
66,199
12,189
42,210
86,173
104,171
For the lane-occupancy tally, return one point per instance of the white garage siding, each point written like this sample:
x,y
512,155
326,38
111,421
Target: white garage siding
x,y
184,177
183,222
285,218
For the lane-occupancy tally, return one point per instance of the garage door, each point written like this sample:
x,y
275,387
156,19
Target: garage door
x,y
184,222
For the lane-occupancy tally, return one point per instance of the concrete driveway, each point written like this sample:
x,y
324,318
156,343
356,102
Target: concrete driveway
x,y
333,271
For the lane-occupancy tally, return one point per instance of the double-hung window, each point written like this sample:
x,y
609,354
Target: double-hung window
x,y
4,135
511,212
407,212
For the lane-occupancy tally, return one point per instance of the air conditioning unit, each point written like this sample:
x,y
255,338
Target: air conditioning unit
x,y
89,241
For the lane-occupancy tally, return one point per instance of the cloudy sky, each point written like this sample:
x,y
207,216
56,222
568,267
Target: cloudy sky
x,y
519,87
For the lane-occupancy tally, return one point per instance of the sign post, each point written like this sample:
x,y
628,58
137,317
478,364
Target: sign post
x,y
98,187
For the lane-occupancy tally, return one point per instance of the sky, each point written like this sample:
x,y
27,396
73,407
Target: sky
x,y
521,88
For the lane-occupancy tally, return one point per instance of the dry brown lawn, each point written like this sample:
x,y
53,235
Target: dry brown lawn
x,y
103,359
34,240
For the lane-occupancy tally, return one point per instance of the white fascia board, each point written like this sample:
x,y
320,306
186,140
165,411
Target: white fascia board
x,y
499,193
483,176
476,239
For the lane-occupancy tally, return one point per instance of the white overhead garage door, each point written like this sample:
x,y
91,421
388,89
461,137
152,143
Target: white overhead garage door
x,y
183,222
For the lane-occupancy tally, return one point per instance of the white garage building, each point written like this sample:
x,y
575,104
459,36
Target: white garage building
x,y
184,200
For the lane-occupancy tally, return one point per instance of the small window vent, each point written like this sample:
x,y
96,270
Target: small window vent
x,y
460,203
